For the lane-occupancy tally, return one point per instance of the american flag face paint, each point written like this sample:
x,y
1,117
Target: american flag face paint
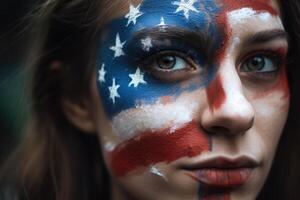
x,y
161,63
142,101
125,48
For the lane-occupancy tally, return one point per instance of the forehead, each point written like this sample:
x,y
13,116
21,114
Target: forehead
x,y
121,7
215,18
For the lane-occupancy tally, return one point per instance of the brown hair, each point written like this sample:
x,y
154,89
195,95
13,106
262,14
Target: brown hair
x,y
56,160
284,178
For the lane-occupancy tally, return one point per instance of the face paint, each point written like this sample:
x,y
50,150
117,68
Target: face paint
x,y
154,147
281,82
154,170
123,78
153,115
215,93
234,13
124,52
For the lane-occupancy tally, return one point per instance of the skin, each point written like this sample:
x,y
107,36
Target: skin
x,y
237,112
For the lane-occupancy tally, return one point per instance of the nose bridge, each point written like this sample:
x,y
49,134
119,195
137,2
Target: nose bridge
x,y
233,89
225,88
228,107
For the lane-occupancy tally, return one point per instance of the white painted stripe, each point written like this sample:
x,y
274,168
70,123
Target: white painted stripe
x,y
241,15
154,117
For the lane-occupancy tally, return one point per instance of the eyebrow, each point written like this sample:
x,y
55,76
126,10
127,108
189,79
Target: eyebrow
x,y
196,39
266,36
202,41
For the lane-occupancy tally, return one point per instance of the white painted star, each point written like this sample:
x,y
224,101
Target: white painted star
x,y
102,73
118,48
113,91
146,43
162,22
137,78
185,6
133,14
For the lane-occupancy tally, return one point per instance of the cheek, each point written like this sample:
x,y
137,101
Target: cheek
x,y
280,89
151,147
271,113
158,133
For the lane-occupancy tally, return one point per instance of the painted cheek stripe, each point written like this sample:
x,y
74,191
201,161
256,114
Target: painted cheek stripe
x,y
281,85
154,147
158,116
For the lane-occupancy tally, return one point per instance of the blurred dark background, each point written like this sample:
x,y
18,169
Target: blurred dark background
x,y
13,102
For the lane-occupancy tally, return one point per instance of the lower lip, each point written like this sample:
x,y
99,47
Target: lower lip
x,y
222,178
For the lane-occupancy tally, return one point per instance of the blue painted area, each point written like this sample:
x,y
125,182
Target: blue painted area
x,y
120,67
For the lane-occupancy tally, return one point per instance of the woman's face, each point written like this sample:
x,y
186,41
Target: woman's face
x,y
192,97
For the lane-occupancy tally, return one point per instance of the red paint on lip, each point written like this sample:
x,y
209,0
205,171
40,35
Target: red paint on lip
x,y
215,93
162,146
221,178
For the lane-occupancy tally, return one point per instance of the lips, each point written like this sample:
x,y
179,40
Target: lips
x,y
222,172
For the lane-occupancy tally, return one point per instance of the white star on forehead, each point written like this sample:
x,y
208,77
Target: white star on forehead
x,y
147,43
137,78
133,14
162,22
113,91
102,73
118,48
186,6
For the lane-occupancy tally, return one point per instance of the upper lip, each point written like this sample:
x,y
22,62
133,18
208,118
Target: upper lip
x,y
223,162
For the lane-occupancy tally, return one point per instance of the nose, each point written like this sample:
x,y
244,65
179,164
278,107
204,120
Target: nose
x,y
228,110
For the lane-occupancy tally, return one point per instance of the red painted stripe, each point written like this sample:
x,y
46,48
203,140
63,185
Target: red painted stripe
x,y
222,21
162,146
280,85
283,84
259,5
215,93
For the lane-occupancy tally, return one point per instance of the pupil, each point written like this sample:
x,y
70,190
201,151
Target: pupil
x,y
257,63
166,62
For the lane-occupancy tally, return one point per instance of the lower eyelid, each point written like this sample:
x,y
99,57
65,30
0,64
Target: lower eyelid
x,y
261,76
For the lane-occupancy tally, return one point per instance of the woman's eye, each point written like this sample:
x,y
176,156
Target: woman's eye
x,y
260,64
171,62
171,66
